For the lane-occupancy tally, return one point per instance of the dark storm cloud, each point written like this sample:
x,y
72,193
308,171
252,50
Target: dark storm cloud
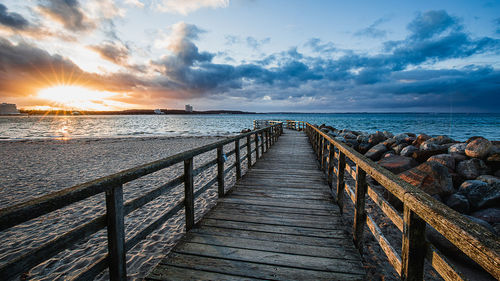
x,y
432,23
12,20
67,12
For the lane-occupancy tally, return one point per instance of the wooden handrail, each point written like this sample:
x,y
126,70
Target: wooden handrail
x,y
112,186
419,209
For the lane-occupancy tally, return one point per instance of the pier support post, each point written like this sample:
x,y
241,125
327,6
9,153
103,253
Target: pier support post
x,y
256,137
189,193
331,156
220,171
262,144
237,158
249,152
359,208
413,249
116,233
340,181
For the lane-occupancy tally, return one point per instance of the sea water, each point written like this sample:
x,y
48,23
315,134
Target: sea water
x,y
456,126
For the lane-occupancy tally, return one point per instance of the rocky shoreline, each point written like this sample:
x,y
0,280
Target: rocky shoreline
x,y
463,175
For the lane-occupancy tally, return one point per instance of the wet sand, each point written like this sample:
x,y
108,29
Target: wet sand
x,y
33,168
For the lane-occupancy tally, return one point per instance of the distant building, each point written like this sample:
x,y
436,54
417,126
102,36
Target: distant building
x,y
8,109
189,108
159,112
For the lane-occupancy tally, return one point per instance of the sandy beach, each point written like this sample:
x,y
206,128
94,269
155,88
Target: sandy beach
x,y
33,168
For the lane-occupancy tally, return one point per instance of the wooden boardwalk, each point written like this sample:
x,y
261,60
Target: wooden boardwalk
x,y
279,222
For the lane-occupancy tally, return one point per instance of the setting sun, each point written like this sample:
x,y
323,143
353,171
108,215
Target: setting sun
x,y
77,97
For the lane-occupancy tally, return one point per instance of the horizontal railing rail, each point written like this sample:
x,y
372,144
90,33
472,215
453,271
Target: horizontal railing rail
x,y
289,124
419,209
116,209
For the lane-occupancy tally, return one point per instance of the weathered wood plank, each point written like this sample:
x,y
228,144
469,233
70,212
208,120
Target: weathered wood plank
x,y
273,258
116,233
174,273
255,270
272,246
282,229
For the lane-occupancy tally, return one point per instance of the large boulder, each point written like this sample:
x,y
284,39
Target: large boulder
x,y
478,148
408,151
472,168
420,139
445,159
376,152
458,148
401,137
376,138
491,180
423,155
397,164
364,147
427,146
440,140
431,177
490,215
458,202
480,194
398,148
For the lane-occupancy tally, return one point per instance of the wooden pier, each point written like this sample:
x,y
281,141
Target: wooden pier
x,y
279,222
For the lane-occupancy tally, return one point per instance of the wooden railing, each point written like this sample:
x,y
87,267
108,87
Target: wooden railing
x,y
420,209
289,124
116,209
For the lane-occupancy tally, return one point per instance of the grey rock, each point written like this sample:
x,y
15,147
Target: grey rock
x,y
376,138
376,152
401,137
426,146
408,151
472,168
398,148
490,215
387,134
440,140
445,159
459,203
480,194
478,148
420,139
458,148
491,180
364,147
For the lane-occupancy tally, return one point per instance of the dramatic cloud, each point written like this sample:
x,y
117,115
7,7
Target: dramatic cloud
x,y
136,3
326,79
373,31
12,20
186,6
114,52
67,12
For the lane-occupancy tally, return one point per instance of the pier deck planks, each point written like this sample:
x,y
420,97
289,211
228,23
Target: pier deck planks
x,y
278,223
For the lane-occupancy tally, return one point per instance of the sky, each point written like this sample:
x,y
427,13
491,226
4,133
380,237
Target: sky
x,y
251,55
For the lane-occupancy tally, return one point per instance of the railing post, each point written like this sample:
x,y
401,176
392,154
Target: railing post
x,y
331,156
359,208
340,181
256,137
116,233
249,152
320,151
413,248
323,154
220,171
189,193
267,139
237,158
262,143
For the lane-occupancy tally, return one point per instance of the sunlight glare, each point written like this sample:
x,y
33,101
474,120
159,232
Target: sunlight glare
x,y
77,97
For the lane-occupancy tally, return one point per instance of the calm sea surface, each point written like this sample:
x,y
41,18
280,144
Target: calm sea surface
x,y
457,126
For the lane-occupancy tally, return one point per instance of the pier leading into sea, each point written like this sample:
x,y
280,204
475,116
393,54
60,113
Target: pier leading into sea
x,y
282,220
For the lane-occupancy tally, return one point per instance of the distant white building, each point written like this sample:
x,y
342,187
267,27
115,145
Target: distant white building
x,y
159,112
8,109
189,108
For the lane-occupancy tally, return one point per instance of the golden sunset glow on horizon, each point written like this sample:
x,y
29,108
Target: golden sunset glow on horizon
x,y
74,97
